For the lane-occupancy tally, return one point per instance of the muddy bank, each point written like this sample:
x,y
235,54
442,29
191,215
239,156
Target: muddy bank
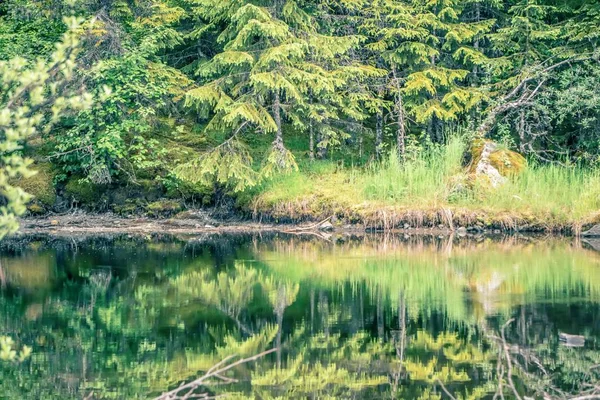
x,y
393,218
198,227
87,223
201,222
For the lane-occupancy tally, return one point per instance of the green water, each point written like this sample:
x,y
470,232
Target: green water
x,y
379,317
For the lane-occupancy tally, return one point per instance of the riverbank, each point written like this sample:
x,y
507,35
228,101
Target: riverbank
x,y
200,222
435,188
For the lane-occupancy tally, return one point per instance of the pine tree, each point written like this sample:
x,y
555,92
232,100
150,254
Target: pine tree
x,y
524,43
270,70
425,72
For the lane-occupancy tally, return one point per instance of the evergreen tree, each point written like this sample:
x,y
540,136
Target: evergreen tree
x,y
424,77
271,69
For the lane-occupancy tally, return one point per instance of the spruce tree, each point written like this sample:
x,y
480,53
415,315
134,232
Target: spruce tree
x,y
273,67
421,44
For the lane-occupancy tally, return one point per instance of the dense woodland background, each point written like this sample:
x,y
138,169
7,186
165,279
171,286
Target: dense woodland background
x,y
196,98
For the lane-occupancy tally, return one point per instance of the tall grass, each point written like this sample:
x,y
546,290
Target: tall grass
x,y
423,177
429,178
559,191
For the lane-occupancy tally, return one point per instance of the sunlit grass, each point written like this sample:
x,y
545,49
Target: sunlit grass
x,y
428,180
423,178
561,192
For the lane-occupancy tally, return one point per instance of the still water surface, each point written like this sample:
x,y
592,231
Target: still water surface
x,y
379,317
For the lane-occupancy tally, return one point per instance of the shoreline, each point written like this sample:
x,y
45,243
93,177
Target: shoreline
x,y
441,222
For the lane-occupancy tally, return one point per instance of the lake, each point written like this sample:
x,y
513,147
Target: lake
x,y
370,317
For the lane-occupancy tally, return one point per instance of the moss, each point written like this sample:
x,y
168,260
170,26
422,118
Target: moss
x,y
129,208
41,185
83,191
36,209
164,208
507,162
179,189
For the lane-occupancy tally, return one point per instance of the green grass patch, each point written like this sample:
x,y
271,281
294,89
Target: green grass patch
x,y
435,178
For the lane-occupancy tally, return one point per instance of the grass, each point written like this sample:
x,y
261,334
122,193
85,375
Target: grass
x,y
431,187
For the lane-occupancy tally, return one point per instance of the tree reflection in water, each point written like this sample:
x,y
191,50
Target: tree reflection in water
x,y
375,317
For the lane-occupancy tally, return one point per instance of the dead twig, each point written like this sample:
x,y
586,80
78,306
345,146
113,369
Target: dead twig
x,y
215,372
445,390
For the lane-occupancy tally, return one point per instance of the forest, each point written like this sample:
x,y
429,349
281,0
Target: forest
x,y
389,112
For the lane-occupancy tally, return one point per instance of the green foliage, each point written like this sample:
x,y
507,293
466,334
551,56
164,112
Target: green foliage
x,y
116,135
82,191
250,79
389,318
8,351
164,208
41,185
33,97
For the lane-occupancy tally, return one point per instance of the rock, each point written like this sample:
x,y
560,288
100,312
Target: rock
x,y
164,208
571,340
83,192
461,231
326,226
495,163
36,209
592,242
594,231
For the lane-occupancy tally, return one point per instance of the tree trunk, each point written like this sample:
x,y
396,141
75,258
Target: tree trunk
x,y
321,150
401,132
311,143
280,308
401,326
360,143
379,317
278,142
490,120
379,129
521,130
379,134
401,129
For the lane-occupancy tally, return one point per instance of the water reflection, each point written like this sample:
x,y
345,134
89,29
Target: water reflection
x,y
372,317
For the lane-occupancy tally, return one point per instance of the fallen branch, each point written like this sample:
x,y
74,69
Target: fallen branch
x,y
307,228
214,372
